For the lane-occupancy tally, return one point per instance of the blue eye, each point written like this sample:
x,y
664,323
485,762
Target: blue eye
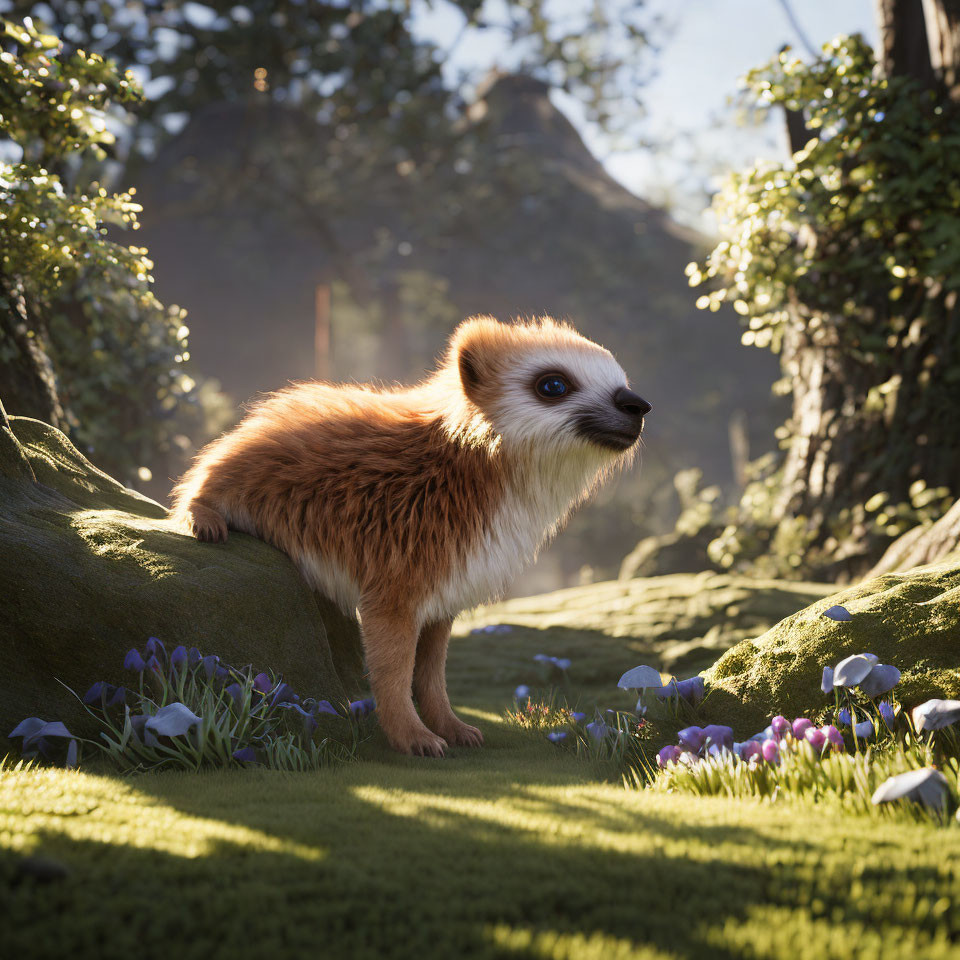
x,y
552,386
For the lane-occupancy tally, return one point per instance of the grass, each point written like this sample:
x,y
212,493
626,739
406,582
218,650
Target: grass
x,y
514,851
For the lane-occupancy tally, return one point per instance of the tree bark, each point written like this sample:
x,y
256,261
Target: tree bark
x,y
27,382
943,35
903,49
922,544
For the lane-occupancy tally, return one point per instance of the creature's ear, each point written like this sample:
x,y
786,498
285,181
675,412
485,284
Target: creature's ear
x,y
474,347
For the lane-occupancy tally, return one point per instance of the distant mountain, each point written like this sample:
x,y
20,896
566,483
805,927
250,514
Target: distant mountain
x,y
530,224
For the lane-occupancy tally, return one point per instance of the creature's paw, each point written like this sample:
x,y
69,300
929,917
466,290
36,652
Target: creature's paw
x,y
460,734
419,743
207,525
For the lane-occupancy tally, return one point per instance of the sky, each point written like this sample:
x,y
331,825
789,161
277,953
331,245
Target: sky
x,y
705,46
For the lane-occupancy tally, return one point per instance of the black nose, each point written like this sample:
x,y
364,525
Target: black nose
x,y
628,402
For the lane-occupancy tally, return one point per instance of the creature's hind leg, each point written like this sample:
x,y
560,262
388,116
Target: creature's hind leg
x,y
390,645
203,522
430,688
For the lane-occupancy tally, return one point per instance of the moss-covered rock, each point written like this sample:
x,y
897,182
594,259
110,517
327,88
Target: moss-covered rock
x,y
910,620
90,569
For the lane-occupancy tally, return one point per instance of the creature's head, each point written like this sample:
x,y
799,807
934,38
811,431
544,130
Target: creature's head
x,y
541,384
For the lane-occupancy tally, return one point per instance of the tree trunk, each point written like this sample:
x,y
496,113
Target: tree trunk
x,y
27,382
943,34
903,49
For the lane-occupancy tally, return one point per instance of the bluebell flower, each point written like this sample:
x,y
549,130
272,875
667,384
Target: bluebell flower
x,y
133,661
522,692
179,656
245,755
826,682
926,786
669,754
154,646
719,736
838,613
362,708
555,736
598,729
97,692
693,738
173,720
864,730
850,671
262,683
283,694
881,679
692,689
843,715
888,713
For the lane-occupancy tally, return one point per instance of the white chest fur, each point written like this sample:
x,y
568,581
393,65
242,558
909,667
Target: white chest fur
x,y
534,507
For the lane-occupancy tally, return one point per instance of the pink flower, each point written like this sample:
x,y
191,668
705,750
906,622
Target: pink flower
x,y
770,751
834,736
800,726
816,738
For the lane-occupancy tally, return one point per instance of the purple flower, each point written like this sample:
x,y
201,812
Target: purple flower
x,y
770,751
851,671
210,664
668,690
865,730
245,755
719,736
561,663
780,726
816,738
881,679
119,696
155,646
309,720
692,738
826,683
153,664
235,691
837,613
555,736
542,657
800,726
325,706
692,690
522,692
138,723
598,729
888,714
669,754
749,750
834,736
578,717
362,708
173,720
37,732
179,656
133,661
843,715
261,683
194,656
97,693
283,694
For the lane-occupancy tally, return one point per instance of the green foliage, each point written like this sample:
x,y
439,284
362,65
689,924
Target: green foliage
x,y
117,351
843,260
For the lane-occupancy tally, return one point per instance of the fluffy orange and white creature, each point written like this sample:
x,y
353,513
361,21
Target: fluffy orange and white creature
x,y
410,505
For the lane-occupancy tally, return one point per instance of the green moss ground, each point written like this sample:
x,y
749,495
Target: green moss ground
x,y
514,851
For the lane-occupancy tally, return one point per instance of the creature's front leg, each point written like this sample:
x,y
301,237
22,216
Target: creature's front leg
x,y
430,688
390,645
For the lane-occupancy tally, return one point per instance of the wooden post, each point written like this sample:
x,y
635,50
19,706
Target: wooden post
x,y
321,331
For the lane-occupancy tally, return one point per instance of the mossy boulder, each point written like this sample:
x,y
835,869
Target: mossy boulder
x,y
909,619
90,568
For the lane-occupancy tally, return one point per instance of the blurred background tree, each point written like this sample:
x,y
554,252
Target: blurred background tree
x,y
844,261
